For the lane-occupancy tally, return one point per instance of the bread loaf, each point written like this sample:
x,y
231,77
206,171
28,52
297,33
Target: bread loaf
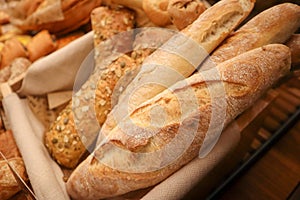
x,y
183,12
8,184
135,154
179,57
62,139
269,26
157,12
75,13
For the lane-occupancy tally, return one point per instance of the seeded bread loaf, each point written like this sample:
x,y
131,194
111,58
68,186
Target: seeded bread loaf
x,y
269,26
180,56
136,153
62,139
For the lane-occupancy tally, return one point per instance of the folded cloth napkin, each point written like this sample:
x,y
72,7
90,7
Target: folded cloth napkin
x,y
45,175
57,71
181,182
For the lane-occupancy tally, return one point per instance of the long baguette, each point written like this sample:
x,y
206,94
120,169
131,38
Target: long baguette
x,y
132,157
172,63
269,26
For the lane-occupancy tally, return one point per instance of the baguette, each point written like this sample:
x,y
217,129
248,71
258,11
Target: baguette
x,y
131,157
269,26
172,63
66,146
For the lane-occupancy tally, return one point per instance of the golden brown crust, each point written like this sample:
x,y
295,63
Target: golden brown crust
x,y
157,12
76,13
12,49
267,27
62,140
183,12
204,35
245,78
41,45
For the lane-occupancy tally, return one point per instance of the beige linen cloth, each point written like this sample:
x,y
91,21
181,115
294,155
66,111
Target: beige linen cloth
x,y
57,72
44,174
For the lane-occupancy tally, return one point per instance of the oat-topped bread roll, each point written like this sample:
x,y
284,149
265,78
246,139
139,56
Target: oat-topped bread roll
x,y
180,56
8,184
269,26
136,153
183,12
104,20
62,139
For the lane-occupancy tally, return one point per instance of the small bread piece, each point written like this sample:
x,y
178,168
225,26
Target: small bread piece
x,y
244,79
75,12
12,49
8,184
41,45
294,44
157,12
183,12
175,60
267,27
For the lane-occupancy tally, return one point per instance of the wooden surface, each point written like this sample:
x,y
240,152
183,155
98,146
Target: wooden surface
x,y
275,175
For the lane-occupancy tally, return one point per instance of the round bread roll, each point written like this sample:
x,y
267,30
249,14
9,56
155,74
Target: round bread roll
x,y
183,12
157,12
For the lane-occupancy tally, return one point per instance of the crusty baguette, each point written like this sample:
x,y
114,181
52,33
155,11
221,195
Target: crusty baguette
x,y
132,157
269,26
165,67
62,140
294,44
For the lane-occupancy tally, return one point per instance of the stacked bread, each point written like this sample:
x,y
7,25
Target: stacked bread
x,y
145,110
122,161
